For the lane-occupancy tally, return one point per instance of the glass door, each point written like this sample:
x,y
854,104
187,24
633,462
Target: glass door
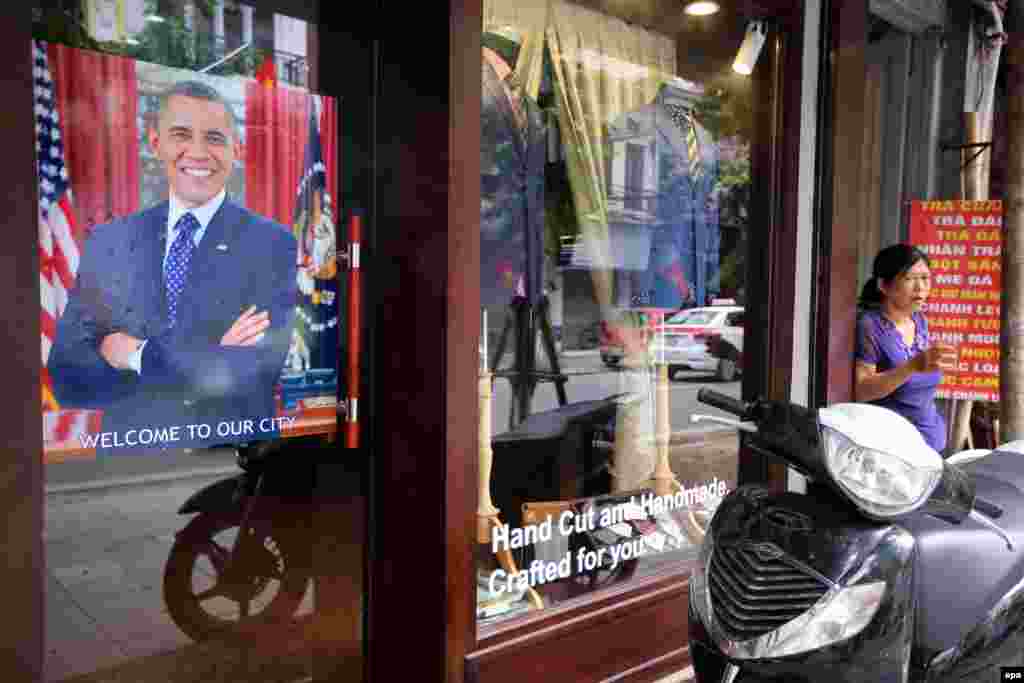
x,y
198,346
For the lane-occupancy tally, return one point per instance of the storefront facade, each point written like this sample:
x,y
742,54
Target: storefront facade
x,y
541,203
635,627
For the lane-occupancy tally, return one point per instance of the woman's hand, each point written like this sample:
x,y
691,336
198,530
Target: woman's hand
x,y
937,357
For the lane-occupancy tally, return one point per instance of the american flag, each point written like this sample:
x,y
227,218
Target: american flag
x,y
60,242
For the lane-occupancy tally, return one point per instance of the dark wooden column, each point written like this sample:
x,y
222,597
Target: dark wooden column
x,y
22,574
425,282
772,242
843,216
340,520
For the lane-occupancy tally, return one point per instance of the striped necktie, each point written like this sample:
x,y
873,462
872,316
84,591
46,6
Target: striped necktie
x,y
178,260
682,117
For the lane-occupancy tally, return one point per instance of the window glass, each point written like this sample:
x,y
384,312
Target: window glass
x,y
191,311
615,208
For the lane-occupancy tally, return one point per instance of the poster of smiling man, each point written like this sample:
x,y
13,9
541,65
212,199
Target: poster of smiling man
x,y
187,251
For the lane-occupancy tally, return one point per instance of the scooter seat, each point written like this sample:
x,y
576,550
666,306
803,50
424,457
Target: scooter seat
x,y
963,570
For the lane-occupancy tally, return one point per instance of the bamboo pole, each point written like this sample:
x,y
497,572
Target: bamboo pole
x,y
1011,365
974,180
984,48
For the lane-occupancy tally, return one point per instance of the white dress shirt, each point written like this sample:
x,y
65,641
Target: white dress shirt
x,y
203,214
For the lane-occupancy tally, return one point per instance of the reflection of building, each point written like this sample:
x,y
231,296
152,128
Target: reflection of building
x,y
201,33
662,211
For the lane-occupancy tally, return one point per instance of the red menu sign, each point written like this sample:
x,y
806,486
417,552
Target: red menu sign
x,y
963,240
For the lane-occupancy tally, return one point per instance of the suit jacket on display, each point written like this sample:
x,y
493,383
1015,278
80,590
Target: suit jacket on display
x,y
513,149
187,377
662,210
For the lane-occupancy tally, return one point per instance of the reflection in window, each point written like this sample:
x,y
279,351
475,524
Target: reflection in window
x,y
615,196
161,540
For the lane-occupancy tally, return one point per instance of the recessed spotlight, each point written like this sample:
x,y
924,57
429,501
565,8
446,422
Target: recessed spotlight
x,y
701,8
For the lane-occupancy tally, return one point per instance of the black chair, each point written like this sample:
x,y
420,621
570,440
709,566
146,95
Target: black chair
x,y
553,455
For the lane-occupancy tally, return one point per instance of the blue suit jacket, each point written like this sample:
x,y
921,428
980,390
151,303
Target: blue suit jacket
x,y
657,195
187,377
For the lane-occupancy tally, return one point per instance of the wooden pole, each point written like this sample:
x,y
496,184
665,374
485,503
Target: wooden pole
x,y
663,477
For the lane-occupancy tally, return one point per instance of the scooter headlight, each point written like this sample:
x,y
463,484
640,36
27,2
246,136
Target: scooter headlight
x,y
838,616
878,458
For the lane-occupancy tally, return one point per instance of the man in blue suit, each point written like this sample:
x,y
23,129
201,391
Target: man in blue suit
x,y
181,314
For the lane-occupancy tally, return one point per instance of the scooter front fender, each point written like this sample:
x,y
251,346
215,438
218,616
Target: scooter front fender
x,y
996,642
833,542
216,497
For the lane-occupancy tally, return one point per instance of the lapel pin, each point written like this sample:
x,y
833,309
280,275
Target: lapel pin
x,y
222,247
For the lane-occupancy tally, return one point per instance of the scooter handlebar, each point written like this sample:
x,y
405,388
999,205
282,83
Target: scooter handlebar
x,y
721,401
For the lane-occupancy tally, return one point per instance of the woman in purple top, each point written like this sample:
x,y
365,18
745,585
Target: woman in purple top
x,y
897,366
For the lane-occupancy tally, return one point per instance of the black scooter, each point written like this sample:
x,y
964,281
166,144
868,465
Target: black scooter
x,y
894,565
241,566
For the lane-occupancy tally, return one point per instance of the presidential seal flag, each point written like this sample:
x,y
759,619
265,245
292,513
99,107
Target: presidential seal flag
x,y
315,346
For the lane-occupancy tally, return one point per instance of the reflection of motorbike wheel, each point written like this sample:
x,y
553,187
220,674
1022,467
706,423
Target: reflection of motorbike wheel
x,y
206,598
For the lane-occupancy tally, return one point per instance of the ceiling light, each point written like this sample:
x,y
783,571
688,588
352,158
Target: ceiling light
x,y
753,41
701,8
155,18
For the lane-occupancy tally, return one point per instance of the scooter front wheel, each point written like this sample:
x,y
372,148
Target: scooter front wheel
x,y
208,597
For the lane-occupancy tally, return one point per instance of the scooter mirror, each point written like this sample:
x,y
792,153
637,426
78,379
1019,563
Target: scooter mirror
x,y
953,497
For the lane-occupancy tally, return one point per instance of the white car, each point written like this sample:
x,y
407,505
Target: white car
x,y
708,339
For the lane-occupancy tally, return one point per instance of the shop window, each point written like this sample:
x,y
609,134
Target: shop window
x,y
615,216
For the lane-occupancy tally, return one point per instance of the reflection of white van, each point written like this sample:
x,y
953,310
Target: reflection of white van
x,y
708,339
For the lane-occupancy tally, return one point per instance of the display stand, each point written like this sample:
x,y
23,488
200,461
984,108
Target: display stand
x,y
528,323
663,480
486,514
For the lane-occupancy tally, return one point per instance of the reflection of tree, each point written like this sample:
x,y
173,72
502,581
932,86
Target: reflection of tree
x,y
63,22
729,117
560,211
733,191
171,43
168,42
733,188
727,111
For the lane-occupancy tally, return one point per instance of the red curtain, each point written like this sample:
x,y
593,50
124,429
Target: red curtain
x,y
329,146
275,142
276,128
98,102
